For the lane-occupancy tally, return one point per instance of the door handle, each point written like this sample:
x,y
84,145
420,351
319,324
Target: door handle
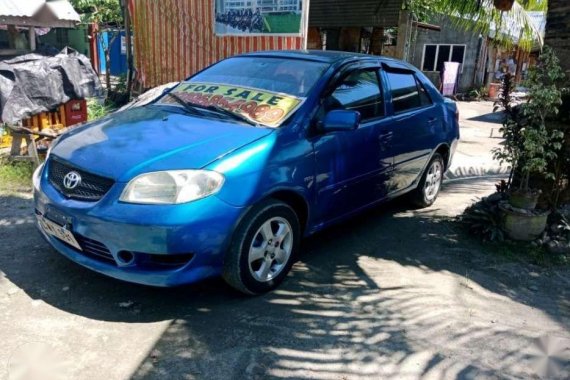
x,y
386,136
432,120
385,140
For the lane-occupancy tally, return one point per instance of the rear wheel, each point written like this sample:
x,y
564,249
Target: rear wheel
x,y
430,184
263,248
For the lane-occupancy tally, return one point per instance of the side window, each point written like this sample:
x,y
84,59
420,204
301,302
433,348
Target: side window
x,y
358,91
407,93
424,96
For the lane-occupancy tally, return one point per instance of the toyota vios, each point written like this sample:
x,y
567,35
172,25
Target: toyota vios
x,y
226,172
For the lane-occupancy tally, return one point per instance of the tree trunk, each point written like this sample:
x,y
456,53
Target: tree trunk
x,y
558,31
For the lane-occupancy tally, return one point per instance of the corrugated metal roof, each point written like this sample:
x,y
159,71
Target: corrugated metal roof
x,y
41,13
20,8
63,10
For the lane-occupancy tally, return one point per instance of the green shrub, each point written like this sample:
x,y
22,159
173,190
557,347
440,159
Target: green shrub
x,y
96,110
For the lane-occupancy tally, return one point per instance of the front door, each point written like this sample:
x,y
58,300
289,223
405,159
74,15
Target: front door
x,y
351,166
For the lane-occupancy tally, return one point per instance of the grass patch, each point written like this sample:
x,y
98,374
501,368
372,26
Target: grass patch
x,y
96,110
15,175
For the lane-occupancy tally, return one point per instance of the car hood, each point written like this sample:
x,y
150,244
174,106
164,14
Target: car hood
x,y
144,139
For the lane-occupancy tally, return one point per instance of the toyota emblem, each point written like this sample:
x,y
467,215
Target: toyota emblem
x,y
71,180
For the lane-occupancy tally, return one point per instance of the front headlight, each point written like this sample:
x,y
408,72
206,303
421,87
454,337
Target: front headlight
x,y
172,187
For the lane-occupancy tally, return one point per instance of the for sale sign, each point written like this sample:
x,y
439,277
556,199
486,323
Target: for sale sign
x,y
262,106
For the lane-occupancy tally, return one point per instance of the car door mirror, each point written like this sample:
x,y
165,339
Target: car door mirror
x,y
341,120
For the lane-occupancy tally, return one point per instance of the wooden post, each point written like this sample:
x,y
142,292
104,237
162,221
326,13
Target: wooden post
x,y
32,34
403,26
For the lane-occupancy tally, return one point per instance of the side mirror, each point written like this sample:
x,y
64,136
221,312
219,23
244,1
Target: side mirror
x,y
341,120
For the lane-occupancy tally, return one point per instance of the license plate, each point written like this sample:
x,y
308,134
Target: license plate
x,y
59,232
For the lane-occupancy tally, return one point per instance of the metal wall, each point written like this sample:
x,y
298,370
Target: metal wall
x,y
359,13
175,38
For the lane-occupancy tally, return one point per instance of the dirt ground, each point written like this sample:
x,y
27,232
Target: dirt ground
x,y
393,294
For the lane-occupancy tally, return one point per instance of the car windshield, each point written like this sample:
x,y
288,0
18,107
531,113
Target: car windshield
x,y
255,90
290,76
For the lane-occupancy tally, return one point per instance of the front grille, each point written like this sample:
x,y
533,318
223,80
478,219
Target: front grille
x,y
94,249
91,187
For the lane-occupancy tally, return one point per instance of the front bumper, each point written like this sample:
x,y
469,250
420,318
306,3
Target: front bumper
x,y
199,231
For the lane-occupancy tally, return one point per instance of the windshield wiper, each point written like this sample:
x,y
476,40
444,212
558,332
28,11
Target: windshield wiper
x,y
236,116
195,108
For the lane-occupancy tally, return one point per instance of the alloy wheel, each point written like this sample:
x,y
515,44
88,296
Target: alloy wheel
x,y
433,180
270,249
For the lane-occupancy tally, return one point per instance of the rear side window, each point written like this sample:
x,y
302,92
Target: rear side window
x,y
407,93
358,91
424,96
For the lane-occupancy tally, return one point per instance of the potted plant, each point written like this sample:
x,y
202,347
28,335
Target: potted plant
x,y
529,145
504,5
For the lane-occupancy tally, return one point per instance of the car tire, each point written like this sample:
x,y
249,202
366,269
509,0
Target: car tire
x,y
430,184
263,248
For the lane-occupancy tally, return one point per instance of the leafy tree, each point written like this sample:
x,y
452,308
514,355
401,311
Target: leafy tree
x,y
531,143
482,16
108,14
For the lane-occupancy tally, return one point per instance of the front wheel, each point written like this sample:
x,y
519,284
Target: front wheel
x,y
430,184
263,248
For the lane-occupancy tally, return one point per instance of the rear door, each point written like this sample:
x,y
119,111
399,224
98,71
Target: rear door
x,y
415,122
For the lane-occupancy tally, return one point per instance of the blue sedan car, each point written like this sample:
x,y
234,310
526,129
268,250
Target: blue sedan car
x,y
226,172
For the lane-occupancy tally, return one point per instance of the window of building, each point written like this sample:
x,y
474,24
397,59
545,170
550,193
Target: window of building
x,y
359,91
434,56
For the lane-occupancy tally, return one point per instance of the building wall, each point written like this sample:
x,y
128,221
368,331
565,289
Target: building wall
x,y
558,31
448,35
357,13
175,38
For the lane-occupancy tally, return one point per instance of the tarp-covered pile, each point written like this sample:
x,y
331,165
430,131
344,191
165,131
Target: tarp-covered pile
x,y
34,83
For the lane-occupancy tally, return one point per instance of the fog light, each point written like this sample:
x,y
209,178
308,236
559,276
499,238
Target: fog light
x,y
125,257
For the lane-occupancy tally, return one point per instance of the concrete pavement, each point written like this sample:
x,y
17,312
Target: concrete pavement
x,y
479,136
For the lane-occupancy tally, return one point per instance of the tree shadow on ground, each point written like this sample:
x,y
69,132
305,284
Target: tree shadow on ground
x,y
492,117
394,293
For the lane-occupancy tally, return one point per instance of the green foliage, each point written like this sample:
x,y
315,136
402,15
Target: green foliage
x,y
531,145
103,12
96,110
423,9
511,130
15,175
484,218
478,93
481,16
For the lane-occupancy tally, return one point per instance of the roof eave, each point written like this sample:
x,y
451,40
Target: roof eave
x,y
29,21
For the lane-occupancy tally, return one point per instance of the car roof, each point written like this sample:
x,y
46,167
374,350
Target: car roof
x,y
325,56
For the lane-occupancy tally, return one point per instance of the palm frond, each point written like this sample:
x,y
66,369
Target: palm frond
x,y
507,28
